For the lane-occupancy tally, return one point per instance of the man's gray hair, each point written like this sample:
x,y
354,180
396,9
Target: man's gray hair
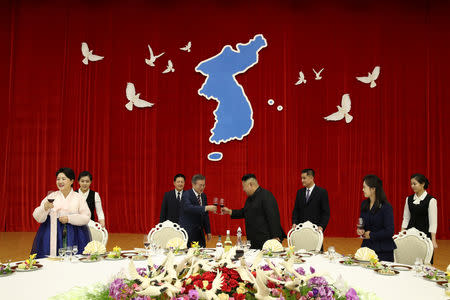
x,y
197,177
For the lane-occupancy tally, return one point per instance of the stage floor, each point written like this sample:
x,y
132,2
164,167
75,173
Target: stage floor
x,y
16,245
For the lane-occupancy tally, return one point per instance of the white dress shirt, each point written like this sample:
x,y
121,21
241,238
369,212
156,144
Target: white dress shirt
x,y
432,212
181,194
98,203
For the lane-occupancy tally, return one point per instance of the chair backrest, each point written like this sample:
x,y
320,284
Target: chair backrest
x,y
98,233
165,231
305,236
412,243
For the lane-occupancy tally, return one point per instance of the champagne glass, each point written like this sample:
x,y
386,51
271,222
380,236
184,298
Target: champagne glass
x,y
61,252
216,203
248,244
360,225
222,205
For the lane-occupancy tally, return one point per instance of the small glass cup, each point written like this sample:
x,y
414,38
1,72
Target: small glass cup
x,y
68,254
74,251
331,253
418,265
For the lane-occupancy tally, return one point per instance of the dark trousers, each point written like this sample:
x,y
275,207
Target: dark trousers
x,y
386,255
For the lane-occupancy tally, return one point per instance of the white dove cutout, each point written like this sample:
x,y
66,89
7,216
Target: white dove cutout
x,y
134,98
169,67
343,110
318,77
371,77
151,61
187,47
88,56
301,78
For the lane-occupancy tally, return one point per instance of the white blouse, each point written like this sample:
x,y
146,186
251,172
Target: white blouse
x,y
73,206
98,203
432,212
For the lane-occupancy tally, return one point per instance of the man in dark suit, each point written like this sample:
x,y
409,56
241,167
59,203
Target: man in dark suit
x,y
311,203
261,214
194,210
170,207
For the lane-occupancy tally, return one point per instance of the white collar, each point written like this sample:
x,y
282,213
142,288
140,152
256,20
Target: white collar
x,y
196,194
311,188
177,191
421,198
81,192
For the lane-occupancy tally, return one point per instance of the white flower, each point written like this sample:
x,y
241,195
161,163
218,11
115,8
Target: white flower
x,y
175,243
365,253
273,245
94,247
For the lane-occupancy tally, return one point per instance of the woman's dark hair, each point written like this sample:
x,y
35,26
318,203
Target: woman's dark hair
x,y
85,173
68,172
373,181
421,179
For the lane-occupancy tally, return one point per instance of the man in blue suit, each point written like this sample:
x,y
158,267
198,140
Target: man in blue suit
x,y
170,206
194,210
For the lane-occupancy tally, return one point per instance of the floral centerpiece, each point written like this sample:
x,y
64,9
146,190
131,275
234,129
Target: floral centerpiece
x,y
290,251
115,253
5,269
94,250
28,263
365,254
434,274
176,245
212,281
196,246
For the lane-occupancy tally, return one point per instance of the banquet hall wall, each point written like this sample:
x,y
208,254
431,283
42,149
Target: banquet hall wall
x,y
56,111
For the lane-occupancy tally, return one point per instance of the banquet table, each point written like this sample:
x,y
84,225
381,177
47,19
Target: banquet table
x,y
56,277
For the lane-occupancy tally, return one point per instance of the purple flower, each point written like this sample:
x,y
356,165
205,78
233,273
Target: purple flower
x,y
315,291
115,288
266,268
312,270
193,294
310,294
351,295
300,271
317,281
142,271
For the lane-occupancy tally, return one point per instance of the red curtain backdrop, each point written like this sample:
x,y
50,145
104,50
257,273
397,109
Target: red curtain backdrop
x,y
55,111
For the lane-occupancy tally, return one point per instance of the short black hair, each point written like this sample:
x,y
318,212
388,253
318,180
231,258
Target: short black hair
x,y
248,176
66,171
179,175
197,177
85,173
309,172
420,178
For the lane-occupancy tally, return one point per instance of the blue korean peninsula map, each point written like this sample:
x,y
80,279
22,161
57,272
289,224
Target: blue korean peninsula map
x,y
234,114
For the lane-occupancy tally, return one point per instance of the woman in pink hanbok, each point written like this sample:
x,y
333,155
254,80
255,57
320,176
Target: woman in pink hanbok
x,y
63,216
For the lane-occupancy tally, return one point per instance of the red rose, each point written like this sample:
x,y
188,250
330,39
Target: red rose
x,y
239,296
198,283
233,283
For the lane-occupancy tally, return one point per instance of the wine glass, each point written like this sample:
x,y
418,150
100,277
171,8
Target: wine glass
x,y
331,253
248,244
75,250
50,197
222,205
418,266
216,203
61,252
360,225
146,243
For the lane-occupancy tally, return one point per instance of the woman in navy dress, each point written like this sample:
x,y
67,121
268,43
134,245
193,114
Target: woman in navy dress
x,y
421,209
378,219
63,221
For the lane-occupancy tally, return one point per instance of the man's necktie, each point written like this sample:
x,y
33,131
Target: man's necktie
x,y
199,199
307,196
178,197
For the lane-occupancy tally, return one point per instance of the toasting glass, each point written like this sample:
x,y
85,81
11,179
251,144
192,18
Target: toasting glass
x,y
50,196
360,225
222,205
216,203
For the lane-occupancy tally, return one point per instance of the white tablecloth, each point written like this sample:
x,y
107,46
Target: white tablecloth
x,y
58,277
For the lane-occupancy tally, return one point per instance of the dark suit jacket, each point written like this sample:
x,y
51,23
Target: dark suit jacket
x,y
170,207
262,218
193,217
317,211
381,227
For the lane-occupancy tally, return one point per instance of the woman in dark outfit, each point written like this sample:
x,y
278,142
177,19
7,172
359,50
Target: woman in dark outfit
x,y
421,209
378,219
